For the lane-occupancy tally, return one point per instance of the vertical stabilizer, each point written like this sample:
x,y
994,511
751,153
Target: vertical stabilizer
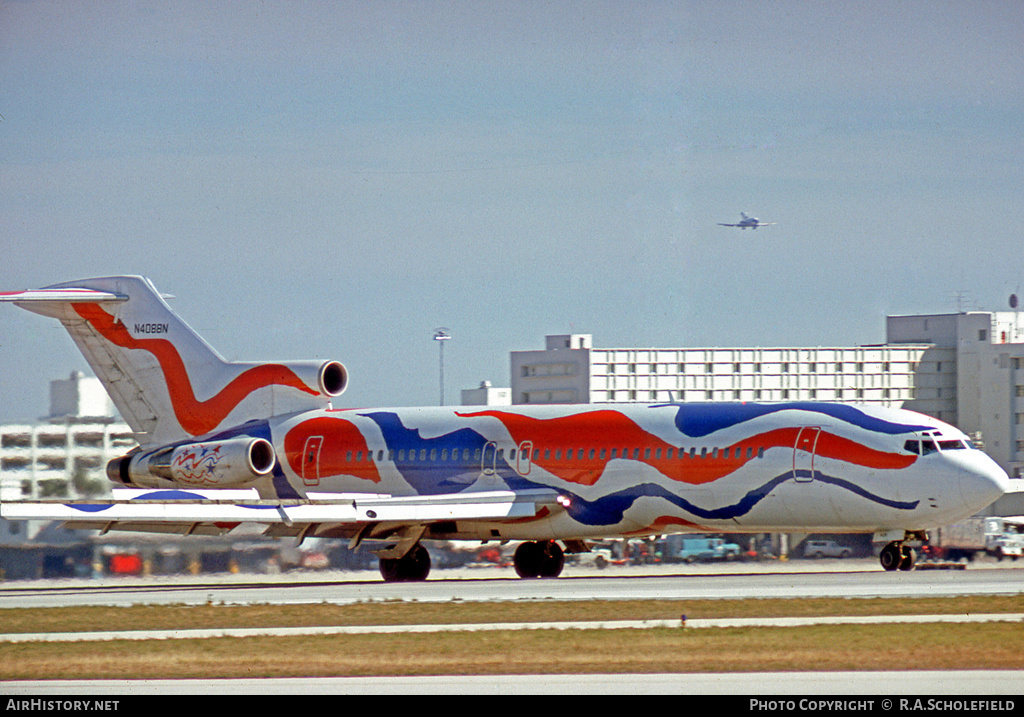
x,y
166,381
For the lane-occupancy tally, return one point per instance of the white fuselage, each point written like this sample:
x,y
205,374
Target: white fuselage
x,y
651,469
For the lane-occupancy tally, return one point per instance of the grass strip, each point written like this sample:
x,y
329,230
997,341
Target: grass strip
x,y
847,647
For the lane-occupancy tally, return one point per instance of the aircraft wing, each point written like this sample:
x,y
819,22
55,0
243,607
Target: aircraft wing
x,y
218,512
729,225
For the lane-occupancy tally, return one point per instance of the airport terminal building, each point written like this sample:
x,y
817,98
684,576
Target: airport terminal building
x,y
962,368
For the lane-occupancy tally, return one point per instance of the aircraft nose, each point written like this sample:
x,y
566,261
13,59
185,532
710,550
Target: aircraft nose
x,y
983,482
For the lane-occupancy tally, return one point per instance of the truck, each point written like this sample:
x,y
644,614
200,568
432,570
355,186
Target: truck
x,y
994,536
702,548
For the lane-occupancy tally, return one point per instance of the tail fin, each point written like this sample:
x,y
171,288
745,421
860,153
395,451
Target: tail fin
x,y
165,380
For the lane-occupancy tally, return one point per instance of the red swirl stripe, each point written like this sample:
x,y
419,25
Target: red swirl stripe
x,y
604,430
337,433
194,416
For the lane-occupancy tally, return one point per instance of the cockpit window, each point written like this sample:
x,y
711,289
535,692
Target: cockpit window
x,y
931,445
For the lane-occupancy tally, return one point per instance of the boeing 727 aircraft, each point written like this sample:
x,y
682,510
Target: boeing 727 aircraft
x,y
229,447
748,223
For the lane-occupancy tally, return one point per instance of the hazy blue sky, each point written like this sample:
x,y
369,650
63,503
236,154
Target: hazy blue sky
x,y
337,179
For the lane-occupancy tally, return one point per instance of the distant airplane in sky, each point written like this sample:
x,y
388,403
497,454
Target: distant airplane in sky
x,y
752,222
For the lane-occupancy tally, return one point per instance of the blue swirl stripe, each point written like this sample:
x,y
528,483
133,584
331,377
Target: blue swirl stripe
x,y
610,509
700,420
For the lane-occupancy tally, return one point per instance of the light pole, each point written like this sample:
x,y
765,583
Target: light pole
x,y
440,336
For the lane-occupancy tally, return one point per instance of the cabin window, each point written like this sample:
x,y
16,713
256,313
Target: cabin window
x,y
512,454
444,454
359,456
591,455
348,456
636,454
423,454
760,452
603,453
615,453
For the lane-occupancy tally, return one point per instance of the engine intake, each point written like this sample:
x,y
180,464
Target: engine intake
x,y
210,464
333,379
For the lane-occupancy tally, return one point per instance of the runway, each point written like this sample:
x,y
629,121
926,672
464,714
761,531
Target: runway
x,y
679,623
879,686
837,578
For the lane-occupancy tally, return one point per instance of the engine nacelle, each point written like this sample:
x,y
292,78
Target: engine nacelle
x,y
332,378
329,377
211,464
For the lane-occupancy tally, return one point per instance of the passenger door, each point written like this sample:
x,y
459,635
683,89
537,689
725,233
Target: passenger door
x,y
803,453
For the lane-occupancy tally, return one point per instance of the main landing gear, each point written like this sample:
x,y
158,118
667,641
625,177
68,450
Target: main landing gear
x,y
414,566
542,559
897,556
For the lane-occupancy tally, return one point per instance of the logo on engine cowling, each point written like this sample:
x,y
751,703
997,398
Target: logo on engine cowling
x,y
196,464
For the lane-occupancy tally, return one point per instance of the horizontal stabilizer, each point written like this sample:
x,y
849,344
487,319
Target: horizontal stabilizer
x,y
62,295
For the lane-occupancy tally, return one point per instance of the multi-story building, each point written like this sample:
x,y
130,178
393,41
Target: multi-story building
x,y
65,454
988,373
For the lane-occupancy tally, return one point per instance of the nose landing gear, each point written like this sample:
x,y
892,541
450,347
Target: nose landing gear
x,y
899,553
897,556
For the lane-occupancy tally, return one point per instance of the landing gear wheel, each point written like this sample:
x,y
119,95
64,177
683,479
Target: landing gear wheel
x,y
908,556
553,560
891,556
414,566
527,560
539,560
